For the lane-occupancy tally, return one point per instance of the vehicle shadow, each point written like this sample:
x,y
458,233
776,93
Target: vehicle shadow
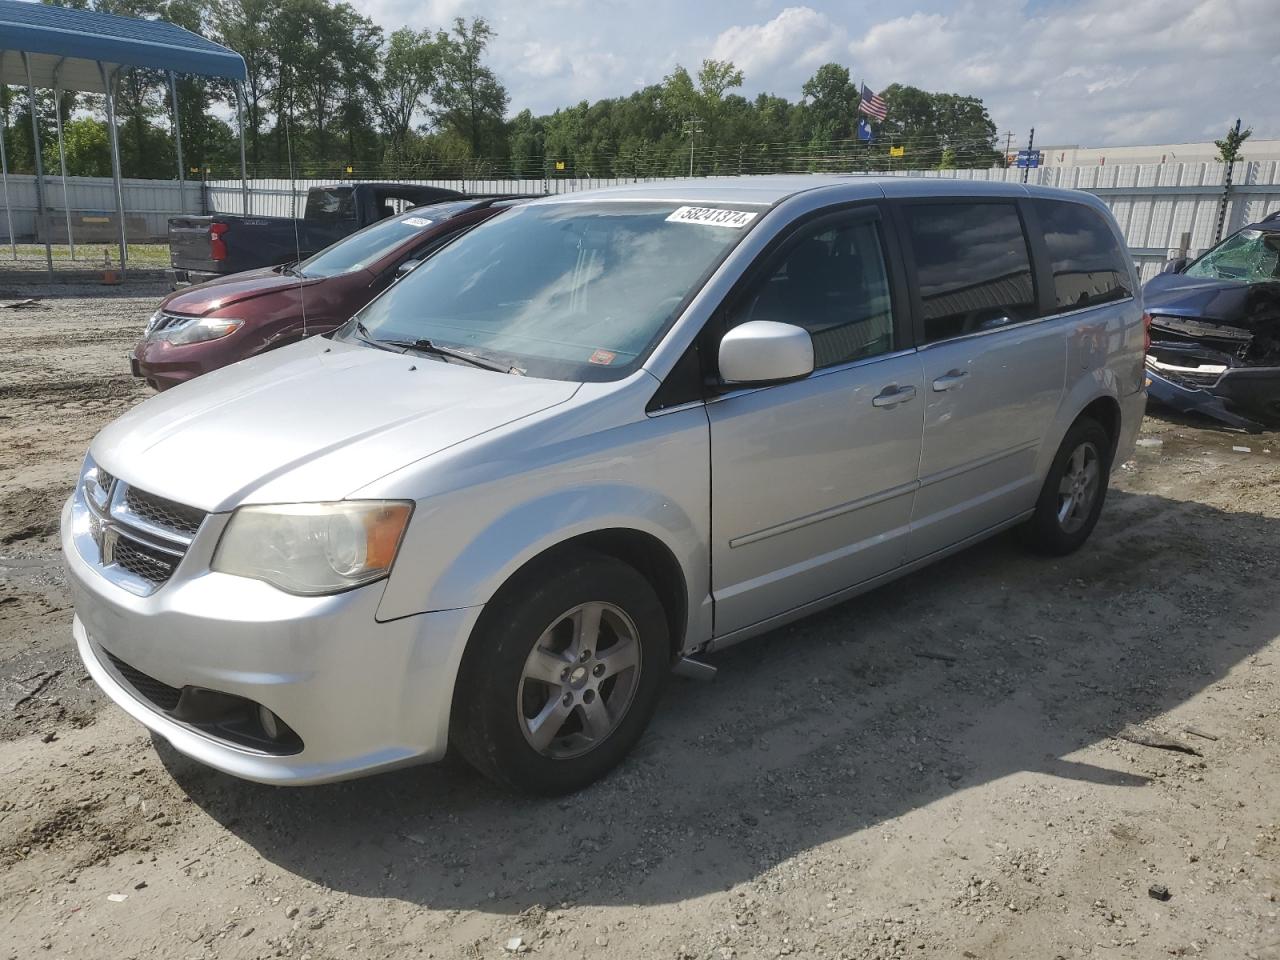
x,y
982,666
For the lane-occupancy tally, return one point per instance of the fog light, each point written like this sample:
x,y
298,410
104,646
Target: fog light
x,y
268,720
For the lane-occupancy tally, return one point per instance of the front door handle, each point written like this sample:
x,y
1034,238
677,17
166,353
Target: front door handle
x,y
893,395
948,380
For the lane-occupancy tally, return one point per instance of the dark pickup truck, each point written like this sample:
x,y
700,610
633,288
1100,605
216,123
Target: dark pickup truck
x,y
202,248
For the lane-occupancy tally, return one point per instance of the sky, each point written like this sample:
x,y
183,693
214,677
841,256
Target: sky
x,y
1086,72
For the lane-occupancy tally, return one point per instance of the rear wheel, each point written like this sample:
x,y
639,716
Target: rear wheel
x,y
1074,491
562,675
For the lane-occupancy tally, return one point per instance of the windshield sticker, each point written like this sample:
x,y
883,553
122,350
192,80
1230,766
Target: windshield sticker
x,y
416,221
710,216
604,357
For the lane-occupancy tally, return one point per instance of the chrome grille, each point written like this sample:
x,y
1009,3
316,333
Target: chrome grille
x,y
167,322
163,513
138,538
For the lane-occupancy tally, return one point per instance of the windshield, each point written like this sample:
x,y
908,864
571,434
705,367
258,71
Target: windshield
x,y
1251,256
567,291
373,242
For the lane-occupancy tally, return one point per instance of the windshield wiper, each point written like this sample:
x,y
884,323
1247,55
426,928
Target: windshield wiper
x,y
423,345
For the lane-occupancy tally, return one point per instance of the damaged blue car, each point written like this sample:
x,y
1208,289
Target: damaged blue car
x,y
1215,330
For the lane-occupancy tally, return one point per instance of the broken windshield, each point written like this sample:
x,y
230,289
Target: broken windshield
x,y
1250,256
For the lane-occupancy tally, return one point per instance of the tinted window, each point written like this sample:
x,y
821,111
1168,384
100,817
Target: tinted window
x,y
972,267
1087,263
372,243
330,204
832,283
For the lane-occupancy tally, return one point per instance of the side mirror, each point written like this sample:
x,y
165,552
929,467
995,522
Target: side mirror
x,y
765,351
407,267
1176,265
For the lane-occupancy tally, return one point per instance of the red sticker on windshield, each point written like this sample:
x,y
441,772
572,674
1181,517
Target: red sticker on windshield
x,y
603,357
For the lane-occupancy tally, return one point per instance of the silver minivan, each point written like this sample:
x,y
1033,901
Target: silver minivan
x,y
586,443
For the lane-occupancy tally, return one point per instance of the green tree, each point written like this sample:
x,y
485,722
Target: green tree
x,y
471,103
832,103
242,26
1229,146
411,66
88,150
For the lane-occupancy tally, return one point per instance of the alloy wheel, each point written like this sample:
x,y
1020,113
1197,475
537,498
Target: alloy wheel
x,y
1078,488
579,680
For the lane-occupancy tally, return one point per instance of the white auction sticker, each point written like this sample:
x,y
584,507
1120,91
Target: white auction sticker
x,y
416,221
713,217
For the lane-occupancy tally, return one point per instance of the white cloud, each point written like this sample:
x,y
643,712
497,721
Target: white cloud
x,y
1093,71
790,47
1081,71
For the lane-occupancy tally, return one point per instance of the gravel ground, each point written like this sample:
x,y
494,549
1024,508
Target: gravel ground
x,y
933,770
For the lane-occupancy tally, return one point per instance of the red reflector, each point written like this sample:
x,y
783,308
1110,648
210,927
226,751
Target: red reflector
x,y
217,246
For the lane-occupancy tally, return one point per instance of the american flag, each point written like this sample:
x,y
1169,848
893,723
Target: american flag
x,y
871,104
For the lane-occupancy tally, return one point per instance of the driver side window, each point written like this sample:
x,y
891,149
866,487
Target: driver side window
x,y
830,280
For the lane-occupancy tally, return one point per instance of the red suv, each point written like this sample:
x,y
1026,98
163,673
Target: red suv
x,y
213,324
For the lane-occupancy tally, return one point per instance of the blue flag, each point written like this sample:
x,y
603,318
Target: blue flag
x,y
864,130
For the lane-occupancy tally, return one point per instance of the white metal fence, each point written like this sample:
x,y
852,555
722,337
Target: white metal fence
x,y
152,202
1154,203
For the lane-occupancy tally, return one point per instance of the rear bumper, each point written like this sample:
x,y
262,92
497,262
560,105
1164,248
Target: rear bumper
x,y
362,696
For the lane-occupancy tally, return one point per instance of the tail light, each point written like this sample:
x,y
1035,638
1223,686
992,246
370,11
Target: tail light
x,y
1146,333
217,246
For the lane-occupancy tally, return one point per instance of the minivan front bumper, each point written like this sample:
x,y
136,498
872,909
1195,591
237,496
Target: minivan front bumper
x,y
360,695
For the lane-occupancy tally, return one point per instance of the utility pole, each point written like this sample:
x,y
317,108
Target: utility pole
x,y
1226,190
1026,171
692,127
1008,145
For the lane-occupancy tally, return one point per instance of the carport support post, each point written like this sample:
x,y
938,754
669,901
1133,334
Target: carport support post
x,y
4,172
62,158
244,177
34,107
177,144
115,159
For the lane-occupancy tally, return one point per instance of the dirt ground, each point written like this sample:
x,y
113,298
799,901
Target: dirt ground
x,y
932,770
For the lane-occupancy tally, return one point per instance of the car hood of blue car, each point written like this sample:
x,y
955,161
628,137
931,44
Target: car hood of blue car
x,y
1223,301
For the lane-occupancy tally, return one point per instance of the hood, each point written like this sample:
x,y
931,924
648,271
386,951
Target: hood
x,y
215,294
1222,301
314,421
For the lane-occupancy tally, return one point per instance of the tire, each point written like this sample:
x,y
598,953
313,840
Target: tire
x,y
539,706
1074,491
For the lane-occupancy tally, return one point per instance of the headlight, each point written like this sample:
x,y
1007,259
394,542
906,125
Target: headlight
x,y
314,548
196,330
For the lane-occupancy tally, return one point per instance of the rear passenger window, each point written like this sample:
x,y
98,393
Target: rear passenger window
x,y
1087,263
972,267
833,283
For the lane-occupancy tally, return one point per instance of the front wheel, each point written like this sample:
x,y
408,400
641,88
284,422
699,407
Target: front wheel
x,y
562,675
1074,490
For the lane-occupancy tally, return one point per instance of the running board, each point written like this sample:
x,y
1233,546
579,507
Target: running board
x,y
694,669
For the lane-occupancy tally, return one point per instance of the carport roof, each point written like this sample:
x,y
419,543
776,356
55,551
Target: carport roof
x,y
70,43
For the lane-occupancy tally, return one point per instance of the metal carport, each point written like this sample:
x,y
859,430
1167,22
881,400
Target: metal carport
x,y
61,48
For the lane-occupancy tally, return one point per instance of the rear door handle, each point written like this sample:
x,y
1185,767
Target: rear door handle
x,y
893,395
948,380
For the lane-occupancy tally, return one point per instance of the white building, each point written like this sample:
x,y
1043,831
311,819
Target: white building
x,y
1073,155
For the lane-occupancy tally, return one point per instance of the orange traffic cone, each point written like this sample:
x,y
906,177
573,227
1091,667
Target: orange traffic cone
x,y
110,275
